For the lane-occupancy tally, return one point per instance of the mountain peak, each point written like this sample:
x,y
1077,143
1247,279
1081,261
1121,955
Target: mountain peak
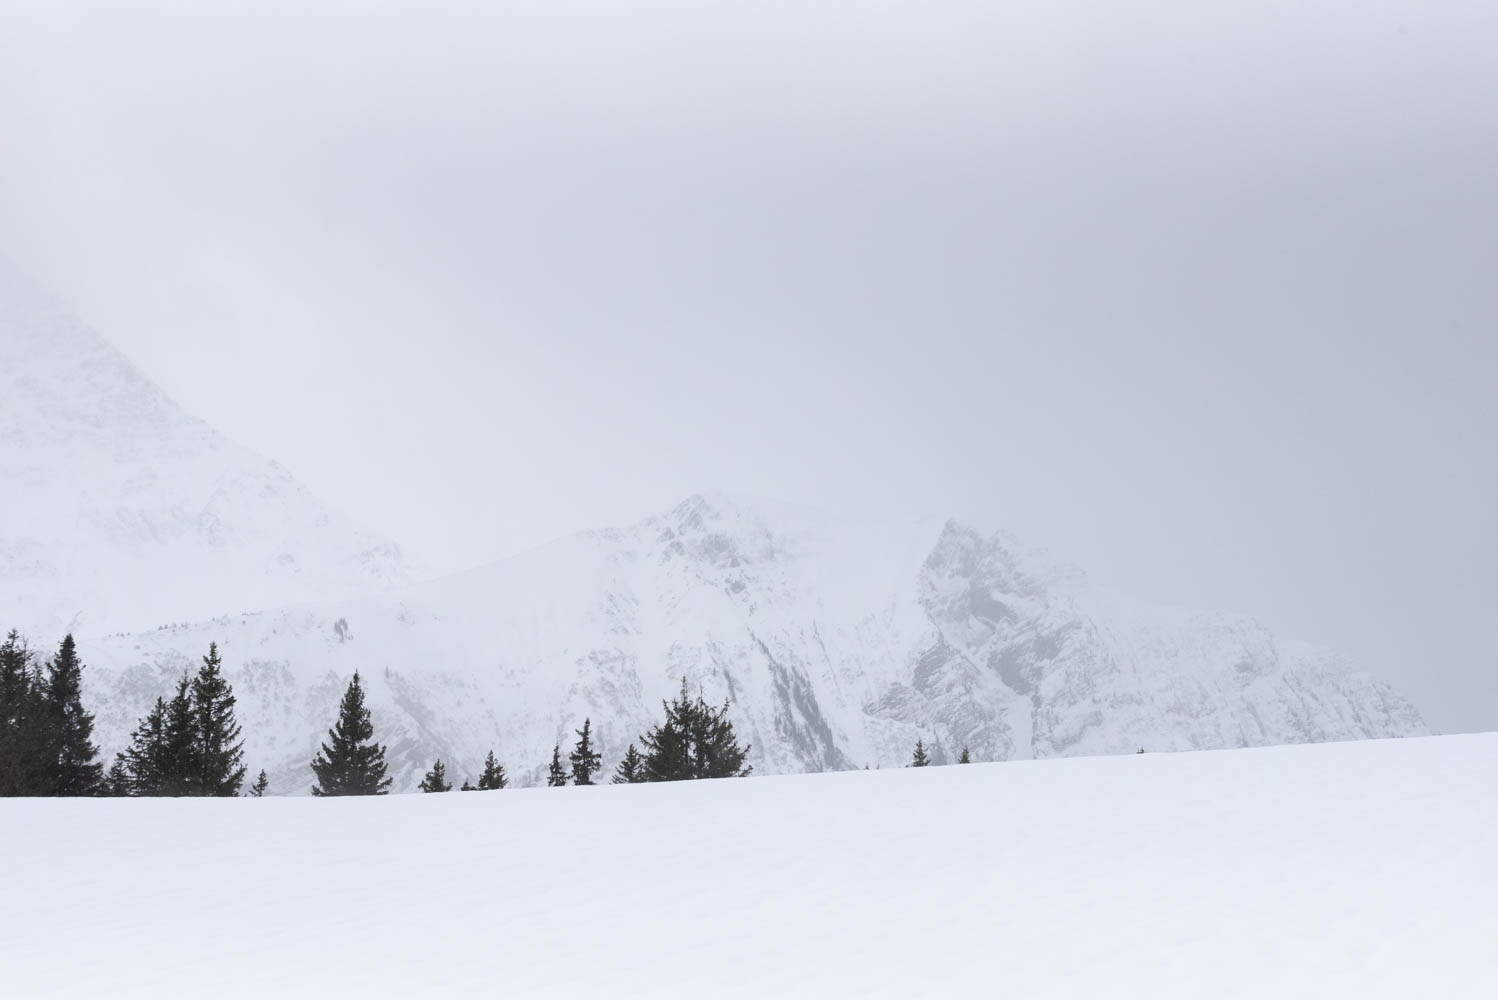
x,y
127,511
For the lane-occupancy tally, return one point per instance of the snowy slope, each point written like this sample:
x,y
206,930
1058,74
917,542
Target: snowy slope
x,y
1350,870
839,646
839,642
121,511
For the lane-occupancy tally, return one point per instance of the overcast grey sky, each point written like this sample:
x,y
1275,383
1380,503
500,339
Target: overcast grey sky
x,y
1202,295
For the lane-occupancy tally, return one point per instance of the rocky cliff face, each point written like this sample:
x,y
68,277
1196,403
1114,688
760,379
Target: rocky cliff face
x,y
840,644
975,644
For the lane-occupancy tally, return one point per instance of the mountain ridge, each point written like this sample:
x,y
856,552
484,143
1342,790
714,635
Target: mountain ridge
x,y
978,650
839,642
123,510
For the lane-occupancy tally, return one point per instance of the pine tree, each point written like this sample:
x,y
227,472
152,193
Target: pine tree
x,y
556,776
631,770
493,777
351,763
468,786
219,752
920,759
177,763
696,741
117,781
19,721
143,762
257,790
586,761
69,755
436,779
964,759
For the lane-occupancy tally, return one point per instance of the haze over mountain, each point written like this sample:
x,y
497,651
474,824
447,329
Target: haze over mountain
x,y
840,643
122,511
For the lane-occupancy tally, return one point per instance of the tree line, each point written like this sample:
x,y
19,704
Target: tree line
x,y
191,745
695,740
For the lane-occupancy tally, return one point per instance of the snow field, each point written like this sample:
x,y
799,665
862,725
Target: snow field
x,y
1353,869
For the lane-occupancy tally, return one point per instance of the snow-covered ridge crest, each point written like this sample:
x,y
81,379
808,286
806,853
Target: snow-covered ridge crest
x,y
123,511
840,642
961,642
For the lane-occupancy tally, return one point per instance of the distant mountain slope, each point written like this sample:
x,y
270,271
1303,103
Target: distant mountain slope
x,y
839,645
118,510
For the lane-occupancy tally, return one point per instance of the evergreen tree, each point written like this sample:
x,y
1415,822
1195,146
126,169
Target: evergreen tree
x,y
586,761
219,752
142,764
69,758
920,759
177,763
436,779
257,790
351,763
19,719
467,786
696,741
556,776
964,759
631,770
493,777
117,781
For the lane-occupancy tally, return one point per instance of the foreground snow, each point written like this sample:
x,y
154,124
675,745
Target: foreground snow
x,y
1355,869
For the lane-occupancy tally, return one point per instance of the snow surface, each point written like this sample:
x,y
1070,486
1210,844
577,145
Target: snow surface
x,y
839,642
123,511
1364,870
950,636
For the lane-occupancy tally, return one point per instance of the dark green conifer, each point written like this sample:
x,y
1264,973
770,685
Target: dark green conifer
x,y
556,775
70,759
20,729
468,786
177,764
695,741
436,779
219,752
586,761
919,759
257,790
143,762
493,777
117,781
964,759
351,763
631,770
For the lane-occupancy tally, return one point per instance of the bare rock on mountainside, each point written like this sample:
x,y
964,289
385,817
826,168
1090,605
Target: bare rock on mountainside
x,y
839,644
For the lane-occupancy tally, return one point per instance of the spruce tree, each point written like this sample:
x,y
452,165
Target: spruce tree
x,y
436,779
178,769
351,763
631,770
586,761
143,763
117,782
19,725
219,752
70,757
695,741
493,777
257,790
964,759
468,786
919,759
556,775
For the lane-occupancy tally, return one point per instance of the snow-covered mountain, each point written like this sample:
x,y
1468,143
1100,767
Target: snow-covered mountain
x,y
118,510
839,643
839,646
